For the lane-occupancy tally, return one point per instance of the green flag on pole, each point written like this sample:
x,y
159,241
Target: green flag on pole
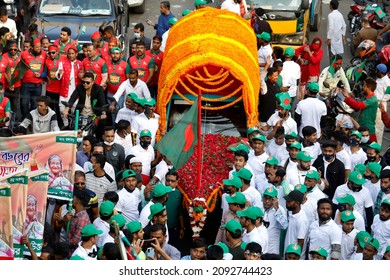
x,y
178,144
19,72
359,71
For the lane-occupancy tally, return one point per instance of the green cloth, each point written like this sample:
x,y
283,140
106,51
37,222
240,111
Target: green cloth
x,y
174,208
279,81
368,115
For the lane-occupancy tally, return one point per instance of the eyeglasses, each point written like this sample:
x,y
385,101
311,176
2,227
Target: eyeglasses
x,y
13,50
80,183
52,52
253,254
172,181
85,82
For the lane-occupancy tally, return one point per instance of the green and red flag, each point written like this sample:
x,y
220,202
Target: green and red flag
x,y
19,72
359,71
331,69
178,144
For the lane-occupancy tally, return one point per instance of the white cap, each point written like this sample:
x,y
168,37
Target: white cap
x,y
135,159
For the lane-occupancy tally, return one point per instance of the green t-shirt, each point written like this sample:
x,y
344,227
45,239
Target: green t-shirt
x,y
174,208
368,115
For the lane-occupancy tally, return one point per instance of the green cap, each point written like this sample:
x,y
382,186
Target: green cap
x,y
313,174
233,226
272,161
140,101
150,102
155,209
252,129
249,212
289,52
290,135
361,168
356,177
271,191
375,146
375,167
320,251
160,190
100,253
235,182
294,248
115,49
134,226
241,147
284,100
357,134
387,249
224,247
90,230
172,21
133,96
346,199
363,237
313,87
265,36
106,208
304,156
76,258
260,137
296,145
119,219
301,187
386,201
146,133
347,215
238,198
374,243
185,12
259,213
199,2
128,173
244,173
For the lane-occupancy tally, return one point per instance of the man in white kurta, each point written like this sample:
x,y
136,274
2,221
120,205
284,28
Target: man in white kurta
x,y
336,29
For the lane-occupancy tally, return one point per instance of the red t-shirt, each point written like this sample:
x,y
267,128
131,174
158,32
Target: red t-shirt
x,y
103,52
97,66
158,58
53,84
12,62
142,65
36,65
3,69
116,74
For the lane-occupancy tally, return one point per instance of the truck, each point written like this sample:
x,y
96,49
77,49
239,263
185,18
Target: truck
x,y
290,20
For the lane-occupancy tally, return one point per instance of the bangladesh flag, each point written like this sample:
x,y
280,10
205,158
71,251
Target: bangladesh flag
x,y
359,71
19,72
331,69
178,144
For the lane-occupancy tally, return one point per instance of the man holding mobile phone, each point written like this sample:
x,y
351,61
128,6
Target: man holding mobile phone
x,y
163,20
162,250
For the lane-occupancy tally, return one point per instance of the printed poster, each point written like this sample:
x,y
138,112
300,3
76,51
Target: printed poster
x,y
6,245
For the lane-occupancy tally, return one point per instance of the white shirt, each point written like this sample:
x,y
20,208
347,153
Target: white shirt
x,y
290,74
373,188
310,208
358,157
140,89
381,231
264,238
315,194
253,196
161,170
128,204
146,157
144,215
164,40
363,197
381,86
231,6
324,235
263,53
84,253
311,110
345,158
254,236
314,151
125,114
290,125
126,142
277,221
298,228
141,122
296,176
257,163
336,30
103,226
347,244
359,220
277,151
11,25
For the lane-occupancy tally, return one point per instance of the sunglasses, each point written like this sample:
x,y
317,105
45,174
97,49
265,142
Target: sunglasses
x,y
85,82
80,183
52,52
14,50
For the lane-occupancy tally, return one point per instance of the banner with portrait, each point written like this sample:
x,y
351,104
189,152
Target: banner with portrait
x,y
53,151
36,210
6,245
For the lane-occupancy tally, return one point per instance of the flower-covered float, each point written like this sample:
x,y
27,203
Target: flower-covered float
x,y
212,52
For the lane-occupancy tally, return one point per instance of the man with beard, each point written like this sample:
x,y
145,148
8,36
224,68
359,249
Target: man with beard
x,y
129,197
298,224
276,179
325,232
384,192
96,65
373,154
332,170
354,186
143,63
297,175
147,120
381,227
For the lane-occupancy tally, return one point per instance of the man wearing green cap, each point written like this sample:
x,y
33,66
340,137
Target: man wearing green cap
x,y
131,85
362,237
292,148
372,175
109,237
384,192
349,233
147,120
370,250
311,182
347,202
233,235
231,187
199,4
248,219
354,186
145,152
373,154
102,223
381,227
116,69
128,112
297,175
291,74
129,197
158,215
87,249
386,256
276,146
318,254
257,160
252,196
293,252
265,51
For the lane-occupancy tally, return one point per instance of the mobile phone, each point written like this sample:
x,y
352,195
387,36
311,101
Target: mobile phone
x,y
150,253
147,243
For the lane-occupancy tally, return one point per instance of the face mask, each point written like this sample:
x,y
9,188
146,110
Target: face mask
x,y
328,157
144,144
341,207
315,47
365,139
354,142
108,143
368,177
137,35
355,188
79,140
147,110
226,190
371,158
385,190
288,145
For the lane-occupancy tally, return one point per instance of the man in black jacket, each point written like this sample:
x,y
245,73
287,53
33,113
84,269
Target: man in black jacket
x,y
332,169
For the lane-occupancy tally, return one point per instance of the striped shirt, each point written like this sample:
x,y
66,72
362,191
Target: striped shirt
x,y
100,185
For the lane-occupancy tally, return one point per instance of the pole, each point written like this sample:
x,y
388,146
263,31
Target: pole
x,y
70,205
198,185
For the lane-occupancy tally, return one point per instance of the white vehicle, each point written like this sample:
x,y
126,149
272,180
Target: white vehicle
x,y
136,6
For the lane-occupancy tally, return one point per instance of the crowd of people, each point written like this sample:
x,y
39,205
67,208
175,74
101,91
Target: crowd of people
x,y
295,190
